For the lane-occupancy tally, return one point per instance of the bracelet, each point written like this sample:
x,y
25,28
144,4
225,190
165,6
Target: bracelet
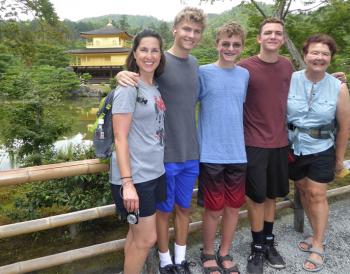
x,y
126,177
128,181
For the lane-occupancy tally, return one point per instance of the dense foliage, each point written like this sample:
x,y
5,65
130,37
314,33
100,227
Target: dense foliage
x,y
34,79
32,118
70,193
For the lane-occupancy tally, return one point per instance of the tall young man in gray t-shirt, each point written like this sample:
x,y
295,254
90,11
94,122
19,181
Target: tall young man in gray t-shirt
x,y
179,87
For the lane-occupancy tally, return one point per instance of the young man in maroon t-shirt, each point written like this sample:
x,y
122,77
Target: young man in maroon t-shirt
x,y
266,141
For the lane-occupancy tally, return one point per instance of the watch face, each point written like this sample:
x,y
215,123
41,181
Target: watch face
x,y
132,218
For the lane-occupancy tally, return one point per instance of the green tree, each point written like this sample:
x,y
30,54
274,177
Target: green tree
x,y
33,120
51,55
165,32
123,23
280,10
41,9
6,59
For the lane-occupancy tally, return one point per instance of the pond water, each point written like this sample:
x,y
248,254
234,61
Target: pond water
x,y
84,109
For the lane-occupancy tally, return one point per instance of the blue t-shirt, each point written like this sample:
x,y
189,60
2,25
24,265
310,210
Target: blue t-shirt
x,y
220,122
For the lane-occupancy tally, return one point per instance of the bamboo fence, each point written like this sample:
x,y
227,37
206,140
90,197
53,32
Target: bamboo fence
x,y
48,172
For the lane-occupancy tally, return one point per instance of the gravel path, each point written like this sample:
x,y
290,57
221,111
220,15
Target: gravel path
x,y
337,253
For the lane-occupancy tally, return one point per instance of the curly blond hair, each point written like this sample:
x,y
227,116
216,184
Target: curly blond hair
x,y
230,29
191,14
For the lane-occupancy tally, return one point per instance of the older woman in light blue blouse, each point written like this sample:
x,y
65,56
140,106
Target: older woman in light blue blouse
x,y
318,123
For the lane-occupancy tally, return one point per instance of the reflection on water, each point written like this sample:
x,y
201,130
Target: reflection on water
x,y
61,145
75,140
5,162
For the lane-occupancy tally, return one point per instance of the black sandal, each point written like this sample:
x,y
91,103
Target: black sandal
x,y
220,259
208,257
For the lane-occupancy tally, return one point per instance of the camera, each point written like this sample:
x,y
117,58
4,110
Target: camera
x,y
132,218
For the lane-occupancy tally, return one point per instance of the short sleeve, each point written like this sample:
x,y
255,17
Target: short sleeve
x,y
124,100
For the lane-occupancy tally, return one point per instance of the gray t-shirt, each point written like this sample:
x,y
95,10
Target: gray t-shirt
x,y
146,134
179,86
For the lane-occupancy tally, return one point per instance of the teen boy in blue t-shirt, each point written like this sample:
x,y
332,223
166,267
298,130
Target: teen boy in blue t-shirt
x,y
223,87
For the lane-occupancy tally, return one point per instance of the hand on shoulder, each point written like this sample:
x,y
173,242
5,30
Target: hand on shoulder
x,y
127,78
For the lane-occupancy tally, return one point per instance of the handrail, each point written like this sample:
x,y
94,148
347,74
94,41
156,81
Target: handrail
x,y
86,252
11,230
21,228
49,172
62,258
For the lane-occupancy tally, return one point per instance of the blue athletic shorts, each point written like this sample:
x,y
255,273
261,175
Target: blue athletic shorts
x,y
180,181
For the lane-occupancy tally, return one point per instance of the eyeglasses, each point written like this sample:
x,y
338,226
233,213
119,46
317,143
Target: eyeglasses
x,y
227,45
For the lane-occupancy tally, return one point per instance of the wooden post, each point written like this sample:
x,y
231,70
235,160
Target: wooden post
x,y
73,230
151,264
298,212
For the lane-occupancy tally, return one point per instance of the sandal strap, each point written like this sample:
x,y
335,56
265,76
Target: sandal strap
x,y
317,251
224,258
210,269
231,269
207,257
318,265
307,240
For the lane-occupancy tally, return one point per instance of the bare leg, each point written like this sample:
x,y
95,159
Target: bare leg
x,y
140,239
228,229
256,215
210,222
302,187
269,210
163,231
319,211
182,220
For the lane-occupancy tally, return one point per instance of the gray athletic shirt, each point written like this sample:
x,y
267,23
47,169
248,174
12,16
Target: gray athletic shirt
x,y
179,86
146,134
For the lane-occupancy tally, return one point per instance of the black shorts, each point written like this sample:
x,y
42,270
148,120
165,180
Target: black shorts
x,y
319,167
267,173
150,193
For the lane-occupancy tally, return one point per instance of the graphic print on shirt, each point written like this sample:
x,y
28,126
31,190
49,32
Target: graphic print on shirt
x,y
159,107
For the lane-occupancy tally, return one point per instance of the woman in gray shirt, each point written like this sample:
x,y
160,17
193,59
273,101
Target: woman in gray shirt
x,y
137,170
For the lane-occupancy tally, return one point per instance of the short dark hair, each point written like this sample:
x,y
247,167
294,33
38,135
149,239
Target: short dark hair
x,y
130,62
271,20
320,38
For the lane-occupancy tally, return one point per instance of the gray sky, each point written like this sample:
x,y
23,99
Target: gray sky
x,y
161,9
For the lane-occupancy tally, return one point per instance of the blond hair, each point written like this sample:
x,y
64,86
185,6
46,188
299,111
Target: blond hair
x,y
230,29
191,14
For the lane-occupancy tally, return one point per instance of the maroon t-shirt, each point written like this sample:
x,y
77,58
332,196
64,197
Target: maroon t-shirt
x,y
266,102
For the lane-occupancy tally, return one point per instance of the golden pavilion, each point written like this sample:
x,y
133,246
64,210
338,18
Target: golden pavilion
x,y
104,55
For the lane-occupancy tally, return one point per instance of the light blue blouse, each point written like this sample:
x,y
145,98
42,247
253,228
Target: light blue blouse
x,y
311,105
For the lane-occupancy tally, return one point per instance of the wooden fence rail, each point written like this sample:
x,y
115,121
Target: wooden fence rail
x,y
48,172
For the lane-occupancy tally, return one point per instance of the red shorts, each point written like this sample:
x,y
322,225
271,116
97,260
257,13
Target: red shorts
x,y
221,185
